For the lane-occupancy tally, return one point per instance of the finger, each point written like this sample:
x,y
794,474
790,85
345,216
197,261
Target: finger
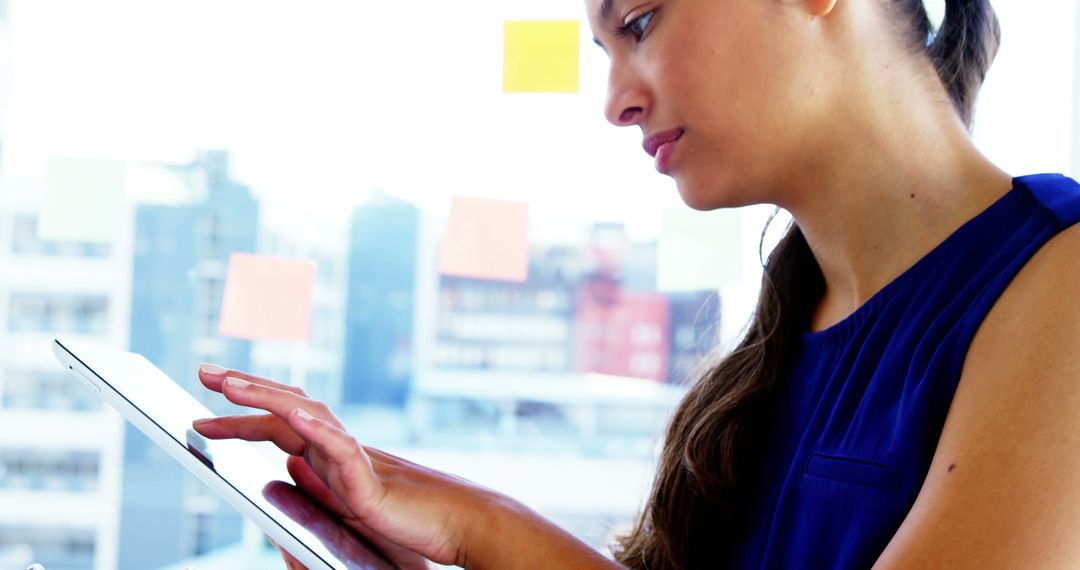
x,y
274,400
337,538
311,485
380,456
290,562
212,375
253,427
349,472
309,482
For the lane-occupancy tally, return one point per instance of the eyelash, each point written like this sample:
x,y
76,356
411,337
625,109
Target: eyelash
x,y
629,29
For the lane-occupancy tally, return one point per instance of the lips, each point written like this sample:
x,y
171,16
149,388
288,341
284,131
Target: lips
x,y
653,142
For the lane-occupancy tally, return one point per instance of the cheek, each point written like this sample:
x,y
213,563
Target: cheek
x,y
703,87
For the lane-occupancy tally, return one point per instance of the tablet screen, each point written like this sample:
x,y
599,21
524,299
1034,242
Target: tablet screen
x,y
227,466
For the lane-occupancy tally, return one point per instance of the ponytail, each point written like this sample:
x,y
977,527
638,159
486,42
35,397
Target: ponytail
x,y
718,430
961,49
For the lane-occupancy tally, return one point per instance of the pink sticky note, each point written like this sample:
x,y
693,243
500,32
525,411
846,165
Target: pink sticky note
x,y
487,239
267,298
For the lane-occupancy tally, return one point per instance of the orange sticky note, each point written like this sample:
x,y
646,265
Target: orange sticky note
x,y
487,239
541,56
267,298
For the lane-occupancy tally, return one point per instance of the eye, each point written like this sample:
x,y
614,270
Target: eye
x,y
637,27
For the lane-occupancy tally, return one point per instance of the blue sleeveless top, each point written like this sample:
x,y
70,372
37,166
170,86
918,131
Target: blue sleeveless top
x,y
865,402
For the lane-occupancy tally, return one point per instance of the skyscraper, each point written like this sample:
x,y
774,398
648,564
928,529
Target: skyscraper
x,y
380,303
180,265
59,447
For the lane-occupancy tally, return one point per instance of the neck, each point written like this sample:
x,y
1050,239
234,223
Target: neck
x,y
894,185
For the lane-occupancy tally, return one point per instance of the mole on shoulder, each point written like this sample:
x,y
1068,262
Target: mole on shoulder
x,y
951,467
912,195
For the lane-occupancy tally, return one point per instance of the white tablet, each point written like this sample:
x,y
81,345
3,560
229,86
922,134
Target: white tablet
x,y
161,409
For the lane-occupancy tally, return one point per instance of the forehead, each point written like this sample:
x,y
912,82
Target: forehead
x,y
598,10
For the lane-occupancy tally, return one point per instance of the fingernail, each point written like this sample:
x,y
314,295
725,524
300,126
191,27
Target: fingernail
x,y
211,369
203,421
236,383
304,415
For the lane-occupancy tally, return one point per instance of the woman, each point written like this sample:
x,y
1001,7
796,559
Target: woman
x,y
906,394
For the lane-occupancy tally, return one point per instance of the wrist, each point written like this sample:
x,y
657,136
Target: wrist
x,y
505,534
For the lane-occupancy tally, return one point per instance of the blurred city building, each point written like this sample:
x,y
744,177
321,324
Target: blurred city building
x,y
494,325
583,356
180,263
381,301
60,450
315,365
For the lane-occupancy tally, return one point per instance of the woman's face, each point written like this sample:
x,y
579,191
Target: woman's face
x,y
723,91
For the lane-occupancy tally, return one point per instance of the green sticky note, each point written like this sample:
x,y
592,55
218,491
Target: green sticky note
x,y
699,251
541,56
84,200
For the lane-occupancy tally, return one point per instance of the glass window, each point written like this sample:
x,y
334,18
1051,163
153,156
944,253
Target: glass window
x,y
45,390
41,469
347,149
80,314
52,547
25,241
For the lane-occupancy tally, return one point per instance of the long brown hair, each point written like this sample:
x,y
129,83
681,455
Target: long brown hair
x,y
714,440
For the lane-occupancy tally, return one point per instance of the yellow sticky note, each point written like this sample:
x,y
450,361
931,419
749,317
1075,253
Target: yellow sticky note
x,y
486,239
267,298
699,251
541,56
83,200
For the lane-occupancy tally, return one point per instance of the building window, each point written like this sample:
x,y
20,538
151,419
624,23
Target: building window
x,y
25,241
71,548
646,334
49,469
78,314
41,390
213,233
203,535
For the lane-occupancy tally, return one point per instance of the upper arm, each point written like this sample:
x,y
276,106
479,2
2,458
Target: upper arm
x,y
1003,490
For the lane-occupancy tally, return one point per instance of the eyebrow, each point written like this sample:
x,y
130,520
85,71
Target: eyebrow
x,y
605,9
605,14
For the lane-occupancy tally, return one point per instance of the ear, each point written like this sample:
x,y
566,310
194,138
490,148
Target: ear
x,y
820,8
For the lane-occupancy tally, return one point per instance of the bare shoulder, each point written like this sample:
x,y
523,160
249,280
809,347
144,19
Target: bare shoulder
x,y
1002,490
1041,297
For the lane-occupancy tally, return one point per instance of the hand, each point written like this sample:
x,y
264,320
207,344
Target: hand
x,y
405,510
339,539
315,507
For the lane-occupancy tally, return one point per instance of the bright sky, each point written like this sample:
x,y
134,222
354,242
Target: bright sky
x,y
322,100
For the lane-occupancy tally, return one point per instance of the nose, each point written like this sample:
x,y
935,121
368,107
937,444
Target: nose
x,y
627,99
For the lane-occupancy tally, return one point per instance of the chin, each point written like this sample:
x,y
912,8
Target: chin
x,y
697,195
706,194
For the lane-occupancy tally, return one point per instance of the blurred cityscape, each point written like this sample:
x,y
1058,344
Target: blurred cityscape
x,y
554,390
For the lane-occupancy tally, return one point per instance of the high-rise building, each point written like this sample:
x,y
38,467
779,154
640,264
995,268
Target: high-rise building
x,y
180,264
60,449
380,303
694,327
620,332
497,325
314,365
